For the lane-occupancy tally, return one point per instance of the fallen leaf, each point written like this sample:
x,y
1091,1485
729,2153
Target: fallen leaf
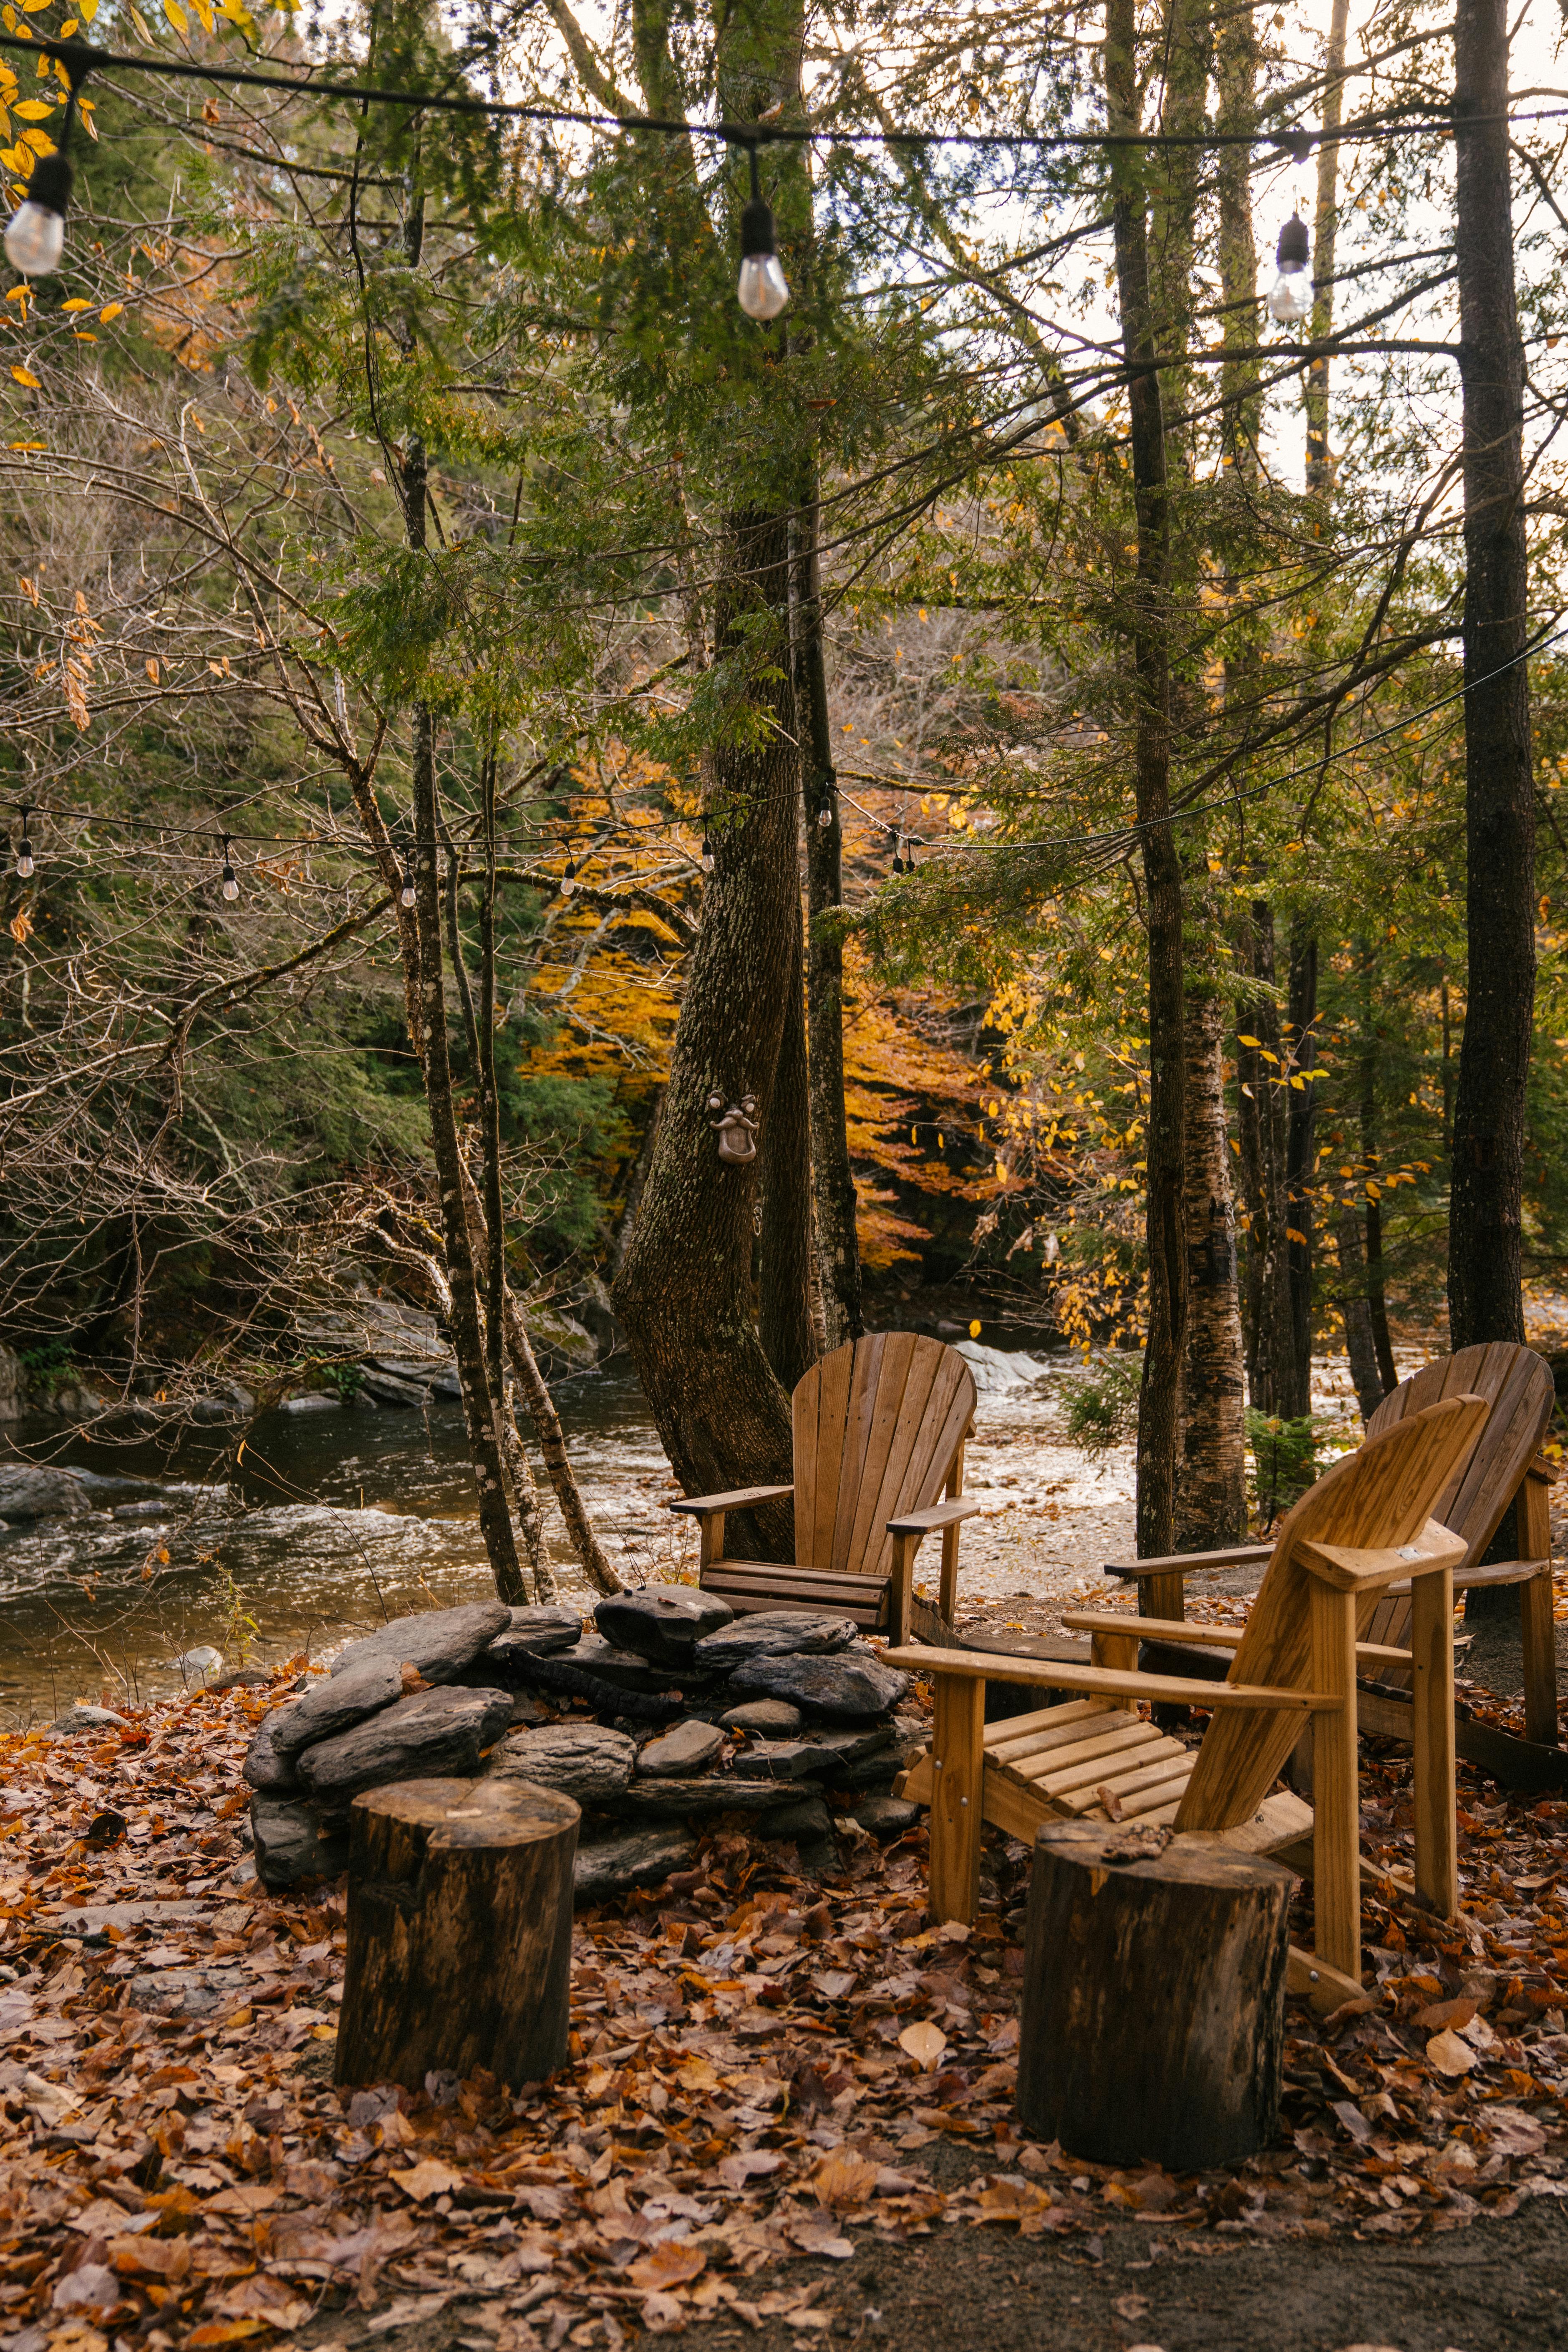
x,y
428,2178
670,2263
1012,2200
1449,2056
661,2315
1440,2013
924,2043
845,2178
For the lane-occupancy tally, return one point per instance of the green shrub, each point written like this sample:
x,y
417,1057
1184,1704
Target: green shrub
x,y
1103,1405
1284,1459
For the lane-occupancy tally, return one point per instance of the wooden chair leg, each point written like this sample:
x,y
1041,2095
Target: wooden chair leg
x,y
1118,1651
1164,1596
947,1598
712,1535
958,1763
1538,1632
1432,1695
1336,1795
900,1588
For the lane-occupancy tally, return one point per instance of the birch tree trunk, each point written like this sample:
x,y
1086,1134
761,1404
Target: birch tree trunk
x,y
1262,1139
1211,1492
784,1321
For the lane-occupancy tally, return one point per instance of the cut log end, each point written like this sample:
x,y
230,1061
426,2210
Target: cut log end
x,y
1153,2017
459,1932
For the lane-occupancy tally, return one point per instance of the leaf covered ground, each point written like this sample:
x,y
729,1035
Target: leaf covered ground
x,y
771,2075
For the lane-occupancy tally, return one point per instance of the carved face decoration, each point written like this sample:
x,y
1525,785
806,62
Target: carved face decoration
x,y
737,1127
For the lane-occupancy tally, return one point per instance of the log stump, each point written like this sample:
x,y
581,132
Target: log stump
x,y
1153,2019
459,1932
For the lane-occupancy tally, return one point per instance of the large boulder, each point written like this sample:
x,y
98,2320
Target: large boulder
x,y
774,1633
663,1623
584,1760
292,1844
845,1687
335,1703
685,1748
436,1735
28,1491
439,1641
639,1858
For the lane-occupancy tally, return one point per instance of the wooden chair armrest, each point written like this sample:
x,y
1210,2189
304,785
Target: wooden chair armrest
x,y
1202,1637
704,1506
1187,1563
1499,1571
1105,1682
936,1514
1350,1569
1547,1471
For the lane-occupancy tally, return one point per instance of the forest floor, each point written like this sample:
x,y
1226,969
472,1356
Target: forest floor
x,y
787,2114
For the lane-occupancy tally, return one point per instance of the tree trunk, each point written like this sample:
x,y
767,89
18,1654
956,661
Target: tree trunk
x,y
1377,1301
1153,2029
1211,1495
1320,466
459,1930
838,1245
1295,1373
1487,1180
1359,1343
783,1321
1162,1355
684,1289
1260,1096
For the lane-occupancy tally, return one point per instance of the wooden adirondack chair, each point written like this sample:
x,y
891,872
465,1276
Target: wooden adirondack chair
x,y
879,1430
1506,1463
1365,1524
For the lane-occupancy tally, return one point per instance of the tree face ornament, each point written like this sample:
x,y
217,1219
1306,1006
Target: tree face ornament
x,y
736,1127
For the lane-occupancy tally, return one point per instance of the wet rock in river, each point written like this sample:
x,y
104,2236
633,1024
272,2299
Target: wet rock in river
x,y
439,1641
774,1633
436,1733
685,1748
30,1492
843,1688
292,1844
639,1858
584,1760
334,1703
663,1623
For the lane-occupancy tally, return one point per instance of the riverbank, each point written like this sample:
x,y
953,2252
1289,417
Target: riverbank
x,y
786,2093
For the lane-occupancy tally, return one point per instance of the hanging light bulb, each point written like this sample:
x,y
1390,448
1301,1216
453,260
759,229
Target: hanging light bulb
x,y
405,897
707,855
25,850
762,290
36,233
230,887
1290,296
824,816
569,879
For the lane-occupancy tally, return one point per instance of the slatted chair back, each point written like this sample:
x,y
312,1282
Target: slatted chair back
x,y
1517,1383
878,1428
1377,1498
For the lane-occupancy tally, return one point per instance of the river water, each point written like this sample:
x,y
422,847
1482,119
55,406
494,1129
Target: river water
x,y
338,1514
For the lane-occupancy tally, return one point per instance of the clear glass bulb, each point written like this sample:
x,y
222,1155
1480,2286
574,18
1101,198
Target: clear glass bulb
x,y
1290,298
825,816
567,886
230,887
36,238
25,864
406,896
762,290
708,861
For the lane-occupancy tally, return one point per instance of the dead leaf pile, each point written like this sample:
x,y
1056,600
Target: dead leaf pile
x,y
763,2066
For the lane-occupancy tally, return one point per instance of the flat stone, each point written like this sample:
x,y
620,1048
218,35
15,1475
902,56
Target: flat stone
x,y
880,1766
439,1641
434,1735
815,1752
808,1819
685,1748
546,1628
336,1702
584,1760
636,1858
775,1633
663,1623
85,1718
886,1816
264,1765
772,1716
708,1792
290,1843
843,1688
623,1669
28,1491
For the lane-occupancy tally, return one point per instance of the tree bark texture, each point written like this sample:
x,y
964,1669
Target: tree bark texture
x,y
1162,1355
1320,466
1360,1345
1211,1493
460,1933
1152,2028
1371,1160
1294,1376
833,1182
1487,1165
684,1290
1261,1134
783,1318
